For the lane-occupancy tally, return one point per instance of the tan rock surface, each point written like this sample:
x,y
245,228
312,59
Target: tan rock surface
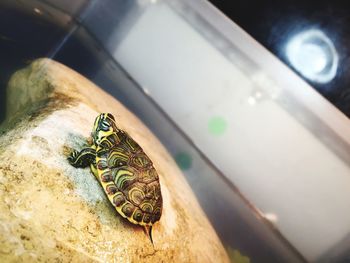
x,y
51,211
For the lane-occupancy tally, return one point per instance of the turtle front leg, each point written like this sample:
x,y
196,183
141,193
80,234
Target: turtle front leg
x,y
83,158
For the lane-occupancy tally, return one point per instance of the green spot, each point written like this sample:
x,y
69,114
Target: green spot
x,y
236,256
217,125
183,160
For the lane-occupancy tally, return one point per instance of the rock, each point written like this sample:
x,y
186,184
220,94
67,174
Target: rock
x,y
51,211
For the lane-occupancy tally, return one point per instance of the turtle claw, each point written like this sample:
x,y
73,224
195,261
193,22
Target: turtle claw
x,y
72,158
83,158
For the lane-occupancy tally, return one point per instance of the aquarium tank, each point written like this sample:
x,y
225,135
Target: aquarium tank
x,y
267,157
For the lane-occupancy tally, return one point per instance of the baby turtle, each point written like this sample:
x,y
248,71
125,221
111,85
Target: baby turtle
x,y
124,171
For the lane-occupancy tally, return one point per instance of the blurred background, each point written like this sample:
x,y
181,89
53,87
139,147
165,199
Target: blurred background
x,y
252,105
275,23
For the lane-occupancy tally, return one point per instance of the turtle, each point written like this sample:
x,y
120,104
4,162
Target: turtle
x,y
125,172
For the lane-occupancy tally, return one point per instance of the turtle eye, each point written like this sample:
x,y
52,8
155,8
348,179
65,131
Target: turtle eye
x,y
105,126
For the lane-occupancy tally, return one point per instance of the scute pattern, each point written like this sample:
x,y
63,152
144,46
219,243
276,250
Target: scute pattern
x,y
126,173
134,177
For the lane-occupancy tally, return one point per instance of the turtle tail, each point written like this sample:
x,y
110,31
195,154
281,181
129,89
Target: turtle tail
x,y
148,230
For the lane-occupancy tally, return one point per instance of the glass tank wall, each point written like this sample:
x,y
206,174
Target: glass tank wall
x,y
267,157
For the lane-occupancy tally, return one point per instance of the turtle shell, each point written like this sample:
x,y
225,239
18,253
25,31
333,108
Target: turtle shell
x,y
129,179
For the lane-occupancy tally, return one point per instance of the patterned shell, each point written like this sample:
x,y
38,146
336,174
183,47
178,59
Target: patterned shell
x,y
129,179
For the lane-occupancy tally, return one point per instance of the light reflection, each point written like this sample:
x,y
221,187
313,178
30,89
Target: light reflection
x,y
313,54
271,217
255,97
146,91
251,100
38,11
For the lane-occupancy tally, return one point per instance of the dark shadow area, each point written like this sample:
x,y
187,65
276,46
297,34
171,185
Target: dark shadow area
x,y
24,36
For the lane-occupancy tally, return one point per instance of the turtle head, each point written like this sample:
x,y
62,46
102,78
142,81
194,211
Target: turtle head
x,y
104,126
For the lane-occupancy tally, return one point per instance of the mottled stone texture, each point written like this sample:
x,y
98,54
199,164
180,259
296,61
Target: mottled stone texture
x,y
50,211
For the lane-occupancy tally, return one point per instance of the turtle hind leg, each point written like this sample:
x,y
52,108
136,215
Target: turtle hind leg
x,y
83,158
